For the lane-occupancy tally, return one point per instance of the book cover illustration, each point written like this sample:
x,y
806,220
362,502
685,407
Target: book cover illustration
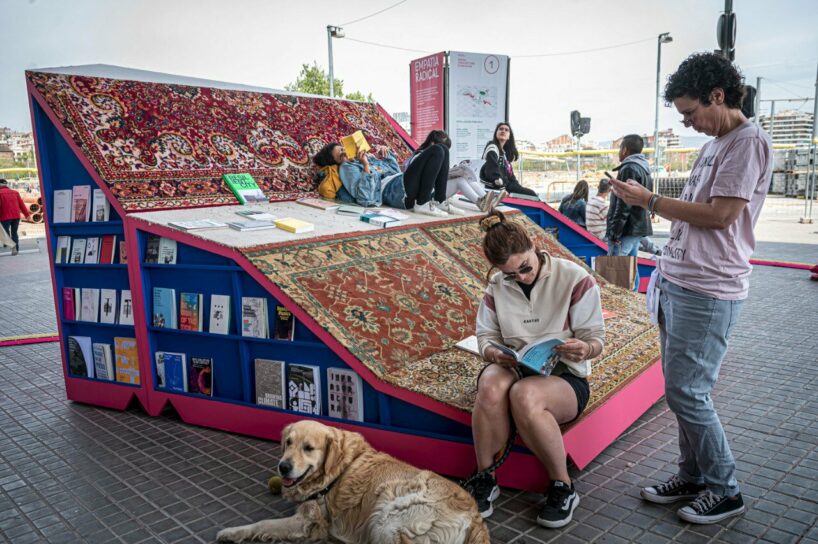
x,y
159,359
78,250
304,388
167,251
190,311
101,208
254,317
62,206
244,187
107,306
63,249
346,394
271,383
92,251
285,324
80,204
127,360
90,305
540,355
152,249
251,224
103,362
175,371
219,314
125,308
164,307
200,377
80,356
319,203
355,142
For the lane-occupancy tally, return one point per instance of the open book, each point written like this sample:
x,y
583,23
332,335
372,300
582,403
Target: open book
x,y
353,143
540,355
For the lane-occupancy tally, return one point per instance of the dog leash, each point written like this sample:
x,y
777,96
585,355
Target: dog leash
x,y
498,460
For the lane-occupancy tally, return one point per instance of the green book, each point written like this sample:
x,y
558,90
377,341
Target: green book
x,y
244,187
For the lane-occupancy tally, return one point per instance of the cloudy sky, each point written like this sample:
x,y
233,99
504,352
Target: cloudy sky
x,y
564,55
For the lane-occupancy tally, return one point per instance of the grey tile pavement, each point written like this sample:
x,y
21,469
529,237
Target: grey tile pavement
x,y
76,473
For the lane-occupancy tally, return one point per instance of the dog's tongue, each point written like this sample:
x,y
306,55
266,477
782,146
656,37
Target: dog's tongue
x,y
287,482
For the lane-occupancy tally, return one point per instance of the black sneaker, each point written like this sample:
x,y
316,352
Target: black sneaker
x,y
483,488
672,490
559,506
711,508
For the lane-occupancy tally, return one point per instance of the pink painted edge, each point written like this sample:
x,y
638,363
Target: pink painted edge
x,y
238,257
399,129
781,264
112,395
37,340
602,427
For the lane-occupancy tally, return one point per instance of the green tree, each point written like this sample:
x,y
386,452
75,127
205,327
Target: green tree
x,y
314,80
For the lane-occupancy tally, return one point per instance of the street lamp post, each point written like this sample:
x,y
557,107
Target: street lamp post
x,y
664,37
332,32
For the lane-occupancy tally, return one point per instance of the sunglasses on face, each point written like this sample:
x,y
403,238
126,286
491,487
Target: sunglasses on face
x,y
525,269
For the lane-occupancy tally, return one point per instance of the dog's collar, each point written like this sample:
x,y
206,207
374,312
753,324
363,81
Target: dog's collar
x,y
321,493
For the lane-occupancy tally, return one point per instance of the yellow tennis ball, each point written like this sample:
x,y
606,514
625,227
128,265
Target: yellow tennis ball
x,y
275,485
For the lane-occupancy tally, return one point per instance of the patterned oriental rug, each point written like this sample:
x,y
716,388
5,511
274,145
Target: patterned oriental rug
x,y
166,146
399,300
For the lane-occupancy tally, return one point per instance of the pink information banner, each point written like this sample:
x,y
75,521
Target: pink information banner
x,y
426,90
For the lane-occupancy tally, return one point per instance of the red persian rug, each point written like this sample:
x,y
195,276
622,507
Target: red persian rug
x,y
399,300
166,146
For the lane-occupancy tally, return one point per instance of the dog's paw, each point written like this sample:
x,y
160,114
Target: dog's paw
x,y
229,535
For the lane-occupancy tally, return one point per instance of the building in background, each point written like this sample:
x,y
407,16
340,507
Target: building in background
x,y
788,127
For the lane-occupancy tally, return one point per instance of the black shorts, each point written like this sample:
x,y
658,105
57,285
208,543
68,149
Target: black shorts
x,y
580,385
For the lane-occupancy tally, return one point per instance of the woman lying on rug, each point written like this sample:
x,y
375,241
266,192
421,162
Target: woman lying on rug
x,y
370,180
461,179
533,296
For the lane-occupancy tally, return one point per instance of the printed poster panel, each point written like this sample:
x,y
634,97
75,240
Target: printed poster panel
x,y
426,94
478,91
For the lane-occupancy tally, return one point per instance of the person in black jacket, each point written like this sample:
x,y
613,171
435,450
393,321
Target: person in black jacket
x,y
499,153
628,224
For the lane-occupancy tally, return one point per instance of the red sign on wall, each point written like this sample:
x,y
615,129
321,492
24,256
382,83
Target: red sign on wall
x,y
426,90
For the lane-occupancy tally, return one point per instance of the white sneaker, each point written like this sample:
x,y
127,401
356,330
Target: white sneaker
x,y
497,197
484,202
431,209
449,208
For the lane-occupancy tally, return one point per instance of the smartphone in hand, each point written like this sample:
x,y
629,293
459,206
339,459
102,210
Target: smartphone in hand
x,y
608,175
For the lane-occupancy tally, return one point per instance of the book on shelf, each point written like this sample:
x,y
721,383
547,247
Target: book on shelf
x,y
190,311
251,224
174,370
107,306
103,362
101,210
254,321
152,249
92,251
80,203
77,303
90,305
167,251
198,224
304,388
68,308
107,246
127,360
200,376
355,142
78,250
350,209
271,383
80,356
219,314
164,307
469,344
123,252
285,324
319,203
63,249
244,187
346,394
62,206
256,214
297,226
539,355
125,308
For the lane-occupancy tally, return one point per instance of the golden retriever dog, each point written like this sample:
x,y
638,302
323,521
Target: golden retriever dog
x,y
348,492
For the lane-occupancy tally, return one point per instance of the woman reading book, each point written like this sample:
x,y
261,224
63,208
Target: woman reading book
x,y
372,179
532,296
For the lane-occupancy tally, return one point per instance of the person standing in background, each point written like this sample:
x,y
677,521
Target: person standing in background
x,y
11,206
596,211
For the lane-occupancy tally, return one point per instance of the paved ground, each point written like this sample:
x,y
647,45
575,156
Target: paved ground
x,y
75,473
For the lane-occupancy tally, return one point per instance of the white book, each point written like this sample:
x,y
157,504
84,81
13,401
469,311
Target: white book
x,y
198,224
345,392
78,250
103,362
159,357
254,320
90,305
63,249
62,206
271,383
469,344
80,203
167,251
107,306
77,303
80,356
92,251
219,314
125,308
304,389
101,210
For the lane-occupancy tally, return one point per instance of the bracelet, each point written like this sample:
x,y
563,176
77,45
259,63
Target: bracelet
x,y
652,204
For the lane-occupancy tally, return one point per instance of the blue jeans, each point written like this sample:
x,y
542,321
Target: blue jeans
x,y
694,329
629,245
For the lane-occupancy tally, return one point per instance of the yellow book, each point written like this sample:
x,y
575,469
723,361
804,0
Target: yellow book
x,y
355,142
294,225
127,360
